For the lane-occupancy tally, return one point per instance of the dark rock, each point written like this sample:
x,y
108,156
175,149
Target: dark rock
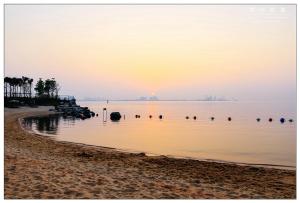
x,y
115,116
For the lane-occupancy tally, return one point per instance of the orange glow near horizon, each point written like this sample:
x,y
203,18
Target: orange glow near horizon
x,y
144,49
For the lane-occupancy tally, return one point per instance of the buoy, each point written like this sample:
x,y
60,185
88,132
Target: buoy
x,y
96,114
212,118
258,119
290,120
150,116
229,118
160,116
186,117
195,117
115,116
270,119
282,120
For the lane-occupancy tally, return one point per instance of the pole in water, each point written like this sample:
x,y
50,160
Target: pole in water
x,y
104,115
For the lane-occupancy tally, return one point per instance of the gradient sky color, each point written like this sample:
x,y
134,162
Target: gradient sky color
x,y
172,51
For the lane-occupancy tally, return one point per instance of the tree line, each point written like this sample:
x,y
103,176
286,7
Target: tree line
x,y
17,87
22,87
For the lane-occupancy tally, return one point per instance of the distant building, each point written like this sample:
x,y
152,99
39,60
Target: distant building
x,y
153,98
143,98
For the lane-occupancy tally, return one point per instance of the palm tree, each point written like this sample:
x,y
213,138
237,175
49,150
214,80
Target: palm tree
x,y
30,85
25,85
20,84
9,81
14,82
6,82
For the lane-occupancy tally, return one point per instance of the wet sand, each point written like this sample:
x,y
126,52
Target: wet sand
x,y
39,167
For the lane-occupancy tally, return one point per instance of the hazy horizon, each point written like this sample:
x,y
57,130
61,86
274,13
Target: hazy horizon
x,y
246,52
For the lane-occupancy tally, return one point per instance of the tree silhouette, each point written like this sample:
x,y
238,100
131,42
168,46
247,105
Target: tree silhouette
x,y
39,87
17,87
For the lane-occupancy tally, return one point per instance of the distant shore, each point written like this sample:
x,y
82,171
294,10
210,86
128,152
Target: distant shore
x,y
41,167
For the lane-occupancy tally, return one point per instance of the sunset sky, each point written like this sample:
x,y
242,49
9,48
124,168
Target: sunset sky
x,y
172,51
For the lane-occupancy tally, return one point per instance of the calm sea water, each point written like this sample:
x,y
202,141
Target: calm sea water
x,y
241,140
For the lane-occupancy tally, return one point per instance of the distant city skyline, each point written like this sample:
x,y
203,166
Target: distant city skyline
x,y
246,52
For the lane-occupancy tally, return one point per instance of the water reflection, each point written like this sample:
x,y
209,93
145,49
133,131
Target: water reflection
x,y
249,137
50,124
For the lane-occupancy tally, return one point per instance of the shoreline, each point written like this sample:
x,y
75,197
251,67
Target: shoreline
x,y
149,154
124,175
275,166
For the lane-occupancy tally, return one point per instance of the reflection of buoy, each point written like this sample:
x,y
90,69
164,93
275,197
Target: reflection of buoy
x,y
270,119
212,118
290,120
187,117
160,116
282,120
195,117
229,118
258,119
150,116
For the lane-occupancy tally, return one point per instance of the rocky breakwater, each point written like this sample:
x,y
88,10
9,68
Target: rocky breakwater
x,y
75,111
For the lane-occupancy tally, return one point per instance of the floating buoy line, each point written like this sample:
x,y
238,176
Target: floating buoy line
x,y
160,117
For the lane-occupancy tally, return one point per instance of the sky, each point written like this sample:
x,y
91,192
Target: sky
x,y
246,52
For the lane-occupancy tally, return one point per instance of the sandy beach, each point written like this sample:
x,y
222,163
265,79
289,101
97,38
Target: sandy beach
x,y
38,167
